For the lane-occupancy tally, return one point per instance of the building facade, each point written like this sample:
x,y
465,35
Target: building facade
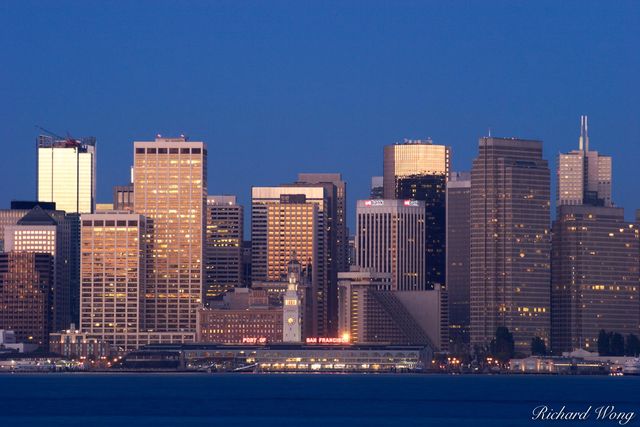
x,y
595,279
26,282
224,234
114,253
170,189
123,199
246,316
390,239
41,231
418,170
458,258
67,173
510,242
289,221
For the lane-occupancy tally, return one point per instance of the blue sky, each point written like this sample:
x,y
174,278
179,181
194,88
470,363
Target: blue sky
x,y
275,88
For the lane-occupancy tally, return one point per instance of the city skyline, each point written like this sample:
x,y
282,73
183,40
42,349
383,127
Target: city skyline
x,y
339,89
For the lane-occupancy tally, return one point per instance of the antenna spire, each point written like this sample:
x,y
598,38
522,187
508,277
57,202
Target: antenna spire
x,y
584,133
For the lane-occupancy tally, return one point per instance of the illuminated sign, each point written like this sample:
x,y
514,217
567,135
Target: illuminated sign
x,y
254,340
411,203
375,202
328,340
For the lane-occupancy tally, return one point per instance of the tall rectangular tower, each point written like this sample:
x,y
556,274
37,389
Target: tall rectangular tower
x,y
113,266
458,257
170,188
510,241
289,222
390,239
418,170
223,269
67,173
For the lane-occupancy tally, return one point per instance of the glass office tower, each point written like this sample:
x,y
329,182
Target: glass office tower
x,y
67,173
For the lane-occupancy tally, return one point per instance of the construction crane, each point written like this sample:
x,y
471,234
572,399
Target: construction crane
x,y
69,140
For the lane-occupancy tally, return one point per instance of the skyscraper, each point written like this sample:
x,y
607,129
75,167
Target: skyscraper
x,y
26,279
116,256
584,176
390,238
290,220
337,235
595,279
40,231
170,188
67,173
223,253
418,170
510,241
113,266
458,257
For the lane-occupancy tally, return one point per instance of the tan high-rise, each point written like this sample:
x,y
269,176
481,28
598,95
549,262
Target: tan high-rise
x,y
510,242
170,189
288,221
584,176
112,273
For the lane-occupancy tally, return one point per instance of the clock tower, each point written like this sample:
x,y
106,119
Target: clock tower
x,y
291,309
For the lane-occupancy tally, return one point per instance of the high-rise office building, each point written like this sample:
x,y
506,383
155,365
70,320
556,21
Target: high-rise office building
x,y
510,241
458,257
40,231
223,253
337,235
113,265
584,176
290,220
390,239
418,170
67,173
115,259
170,188
26,280
595,280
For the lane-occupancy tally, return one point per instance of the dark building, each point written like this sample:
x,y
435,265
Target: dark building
x,y
418,170
510,241
595,279
246,263
458,258
223,246
123,199
337,234
26,300
377,189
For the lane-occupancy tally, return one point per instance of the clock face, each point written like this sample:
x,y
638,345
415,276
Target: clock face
x,y
290,320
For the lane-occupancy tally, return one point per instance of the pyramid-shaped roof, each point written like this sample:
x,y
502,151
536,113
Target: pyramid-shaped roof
x,y
37,216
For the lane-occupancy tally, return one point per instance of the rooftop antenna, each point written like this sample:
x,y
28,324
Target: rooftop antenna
x,y
584,133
